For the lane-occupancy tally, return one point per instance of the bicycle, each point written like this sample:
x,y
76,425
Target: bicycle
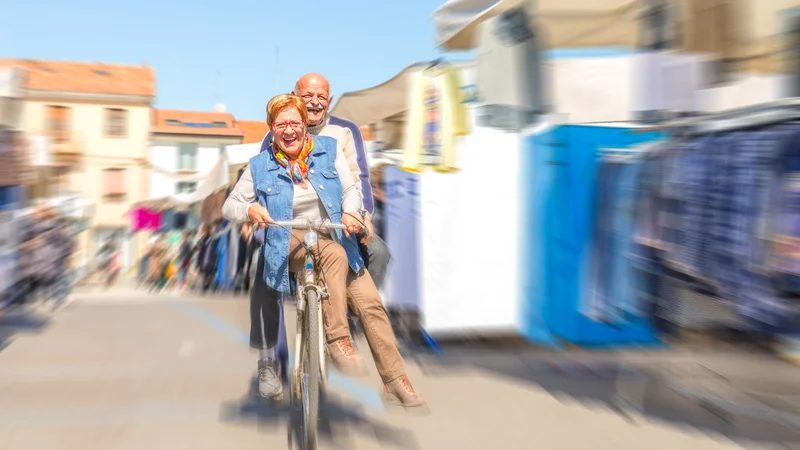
x,y
309,372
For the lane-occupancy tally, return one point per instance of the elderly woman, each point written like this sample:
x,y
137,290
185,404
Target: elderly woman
x,y
304,177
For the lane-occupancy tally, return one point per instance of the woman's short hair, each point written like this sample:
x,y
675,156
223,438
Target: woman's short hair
x,y
280,102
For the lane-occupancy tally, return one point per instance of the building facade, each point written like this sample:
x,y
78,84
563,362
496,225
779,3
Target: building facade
x,y
96,118
184,146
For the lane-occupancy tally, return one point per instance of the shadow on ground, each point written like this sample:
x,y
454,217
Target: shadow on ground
x,y
652,385
19,320
339,421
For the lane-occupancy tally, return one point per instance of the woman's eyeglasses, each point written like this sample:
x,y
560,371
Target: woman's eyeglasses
x,y
295,124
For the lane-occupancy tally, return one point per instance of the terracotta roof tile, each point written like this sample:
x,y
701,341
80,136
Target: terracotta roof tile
x,y
195,122
254,131
90,78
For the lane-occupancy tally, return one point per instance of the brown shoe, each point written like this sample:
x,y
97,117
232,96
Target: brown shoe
x,y
346,358
400,392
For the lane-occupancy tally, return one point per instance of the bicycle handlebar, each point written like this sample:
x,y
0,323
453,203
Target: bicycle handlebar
x,y
305,224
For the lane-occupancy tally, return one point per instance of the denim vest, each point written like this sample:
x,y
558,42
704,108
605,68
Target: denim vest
x,y
275,191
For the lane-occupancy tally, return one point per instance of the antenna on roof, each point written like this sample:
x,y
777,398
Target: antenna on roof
x,y
219,86
277,71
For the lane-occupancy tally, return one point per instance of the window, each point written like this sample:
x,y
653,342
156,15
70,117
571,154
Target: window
x,y
187,156
116,122
219,124
186,187
57,123
173,122
114,184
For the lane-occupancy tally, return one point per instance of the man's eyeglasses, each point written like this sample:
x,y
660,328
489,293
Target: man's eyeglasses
x,y
295,124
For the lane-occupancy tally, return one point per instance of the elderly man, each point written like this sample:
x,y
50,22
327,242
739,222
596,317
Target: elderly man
x,y
314,89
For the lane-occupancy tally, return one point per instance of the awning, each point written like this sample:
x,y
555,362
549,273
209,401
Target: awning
x,y
745,32
566,23
372,105
383,106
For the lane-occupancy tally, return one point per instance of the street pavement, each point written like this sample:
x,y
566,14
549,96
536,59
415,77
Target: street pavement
x,y
124,369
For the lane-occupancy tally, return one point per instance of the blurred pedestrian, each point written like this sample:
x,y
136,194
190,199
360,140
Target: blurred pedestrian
x,y
185,257
207,258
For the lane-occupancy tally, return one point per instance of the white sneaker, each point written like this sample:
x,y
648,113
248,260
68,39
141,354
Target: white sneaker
x,y
269,382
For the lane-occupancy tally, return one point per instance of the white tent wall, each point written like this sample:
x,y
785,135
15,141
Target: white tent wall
x,y
457,245
745,90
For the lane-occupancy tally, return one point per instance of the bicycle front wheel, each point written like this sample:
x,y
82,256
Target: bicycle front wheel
x,y
311,372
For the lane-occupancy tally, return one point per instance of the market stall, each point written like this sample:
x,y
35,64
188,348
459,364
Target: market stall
x,y
171,215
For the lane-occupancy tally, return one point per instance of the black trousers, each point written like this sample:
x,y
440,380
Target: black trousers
x,y
264,311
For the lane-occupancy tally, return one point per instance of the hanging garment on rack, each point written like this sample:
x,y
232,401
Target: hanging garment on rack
x,y
597,306
143,219
716,233
646,247
783,230
721,188
167,220
624,295
611,297
688,187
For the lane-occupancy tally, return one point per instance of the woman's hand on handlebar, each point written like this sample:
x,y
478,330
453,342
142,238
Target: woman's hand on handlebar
x,y
258,214
353,225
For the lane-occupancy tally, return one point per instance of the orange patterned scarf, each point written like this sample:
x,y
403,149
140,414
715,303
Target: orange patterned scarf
x,y
298,167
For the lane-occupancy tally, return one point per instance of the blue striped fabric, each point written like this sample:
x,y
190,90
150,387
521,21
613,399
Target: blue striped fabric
x,y
706,206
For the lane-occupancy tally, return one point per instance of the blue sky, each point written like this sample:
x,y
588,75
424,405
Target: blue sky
x,y
355,43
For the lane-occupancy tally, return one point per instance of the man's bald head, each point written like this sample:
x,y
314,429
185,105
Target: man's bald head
x,y
316,92
312,80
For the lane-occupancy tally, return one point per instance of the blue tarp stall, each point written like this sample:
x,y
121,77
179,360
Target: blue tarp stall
x,y
559,217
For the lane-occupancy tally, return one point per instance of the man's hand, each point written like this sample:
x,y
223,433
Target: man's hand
x,y
370,232
353,224
258,214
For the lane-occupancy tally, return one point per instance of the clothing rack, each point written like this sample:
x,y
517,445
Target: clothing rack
x,y
622,155
760,114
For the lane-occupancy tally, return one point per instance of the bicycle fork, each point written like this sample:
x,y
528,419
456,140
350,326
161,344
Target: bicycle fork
x,y
309,283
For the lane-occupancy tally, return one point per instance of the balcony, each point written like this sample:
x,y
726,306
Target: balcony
x,y
62,148
65,142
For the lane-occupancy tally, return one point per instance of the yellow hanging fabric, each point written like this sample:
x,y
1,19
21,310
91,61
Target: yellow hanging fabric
x,y
415,123
454,120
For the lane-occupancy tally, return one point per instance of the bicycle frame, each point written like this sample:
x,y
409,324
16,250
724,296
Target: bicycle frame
x,y
307,279
309,286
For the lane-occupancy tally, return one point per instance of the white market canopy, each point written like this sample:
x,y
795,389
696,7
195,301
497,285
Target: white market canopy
x,y
745,31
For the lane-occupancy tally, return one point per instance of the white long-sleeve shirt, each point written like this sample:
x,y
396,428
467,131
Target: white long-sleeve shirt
x,y
307,204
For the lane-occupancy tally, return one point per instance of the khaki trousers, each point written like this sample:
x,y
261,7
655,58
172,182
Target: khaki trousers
x,y
359,289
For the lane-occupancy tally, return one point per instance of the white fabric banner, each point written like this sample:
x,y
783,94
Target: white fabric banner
x,y
218,177
174,176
